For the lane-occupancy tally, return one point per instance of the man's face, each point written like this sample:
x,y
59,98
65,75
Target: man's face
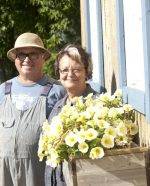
x,y
29,62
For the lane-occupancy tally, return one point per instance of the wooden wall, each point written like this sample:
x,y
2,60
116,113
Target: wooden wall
x,y
110,45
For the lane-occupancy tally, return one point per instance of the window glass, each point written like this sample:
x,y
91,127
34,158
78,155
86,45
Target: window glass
x,y
134,44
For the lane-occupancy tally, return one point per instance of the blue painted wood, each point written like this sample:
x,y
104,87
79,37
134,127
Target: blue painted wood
x,y
86,18
132,96
121,44
146,40
100,45
135,97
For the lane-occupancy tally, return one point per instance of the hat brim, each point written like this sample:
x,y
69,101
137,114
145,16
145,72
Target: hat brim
x,y
11,54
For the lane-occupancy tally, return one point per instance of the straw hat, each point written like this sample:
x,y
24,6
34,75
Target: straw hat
x,y
27,40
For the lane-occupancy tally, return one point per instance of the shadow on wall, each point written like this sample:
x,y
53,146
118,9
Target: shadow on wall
x,y
97,87
113,83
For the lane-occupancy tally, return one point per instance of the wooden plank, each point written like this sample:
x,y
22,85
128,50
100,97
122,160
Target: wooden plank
x,y
125,151
110,163
126,169
131,177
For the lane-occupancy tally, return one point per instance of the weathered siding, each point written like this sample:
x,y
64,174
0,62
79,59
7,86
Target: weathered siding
x,y
110,45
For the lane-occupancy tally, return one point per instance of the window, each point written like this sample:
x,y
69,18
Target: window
x,y
134,44
133,25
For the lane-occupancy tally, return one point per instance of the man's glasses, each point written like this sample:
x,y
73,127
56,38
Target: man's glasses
x,y
32,56
67,70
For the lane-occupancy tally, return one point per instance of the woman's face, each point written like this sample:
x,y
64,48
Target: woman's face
x,y
72,74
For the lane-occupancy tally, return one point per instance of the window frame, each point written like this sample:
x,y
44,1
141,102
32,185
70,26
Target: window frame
x,y
139,99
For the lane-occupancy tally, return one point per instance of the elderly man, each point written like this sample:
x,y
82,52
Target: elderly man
x,y
25,103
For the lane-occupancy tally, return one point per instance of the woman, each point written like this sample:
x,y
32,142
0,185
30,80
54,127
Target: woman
x,y
74,68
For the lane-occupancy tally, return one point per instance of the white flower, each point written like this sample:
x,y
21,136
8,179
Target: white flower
x,y
53,163
101,113
118,93
121,129
71,139
96,153
52,159
105,97
91,123
133,129
88,114
120,110
91,134
88,127
107,141
110,131
121,140
113,112
102,124
80,135
46,126
56,126
83,147
127,108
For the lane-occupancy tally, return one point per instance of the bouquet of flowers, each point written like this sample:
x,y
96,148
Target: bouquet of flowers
x,y
87,129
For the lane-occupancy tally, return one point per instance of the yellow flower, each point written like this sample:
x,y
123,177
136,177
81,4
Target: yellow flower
x,y
52,162
56,126
79,103
89,100
53,158
105,97
110,131
46,126
91,134
88,127
91,123
71,139
88,113
101,113
127,108
96,153
121,140
83,147
120,110
121,129
102,124
133,129
80,135
113,112
107,141
118,93
43,143
81,118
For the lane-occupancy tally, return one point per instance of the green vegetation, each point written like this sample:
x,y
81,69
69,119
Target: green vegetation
x,y
57,22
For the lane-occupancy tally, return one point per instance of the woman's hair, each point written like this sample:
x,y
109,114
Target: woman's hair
x,y
78,54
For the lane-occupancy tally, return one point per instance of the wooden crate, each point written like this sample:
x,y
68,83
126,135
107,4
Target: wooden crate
x,y
124,167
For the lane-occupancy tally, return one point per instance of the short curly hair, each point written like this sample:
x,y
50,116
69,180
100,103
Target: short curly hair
x,y
76,53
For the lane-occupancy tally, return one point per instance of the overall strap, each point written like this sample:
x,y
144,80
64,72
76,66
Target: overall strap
x,y
8,87
46,89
